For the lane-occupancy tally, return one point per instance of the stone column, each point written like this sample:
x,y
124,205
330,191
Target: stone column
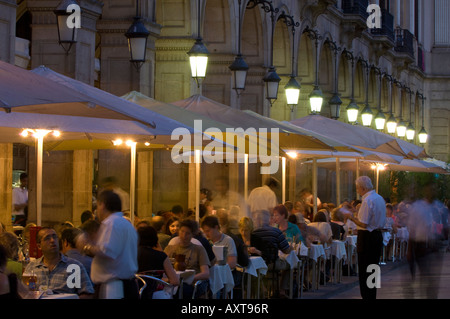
x,y
6,168
7,30
144,184
118,74
82,183
67,175
80,62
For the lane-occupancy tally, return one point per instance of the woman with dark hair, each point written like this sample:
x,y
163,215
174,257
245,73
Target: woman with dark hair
x,y
150,256
172,226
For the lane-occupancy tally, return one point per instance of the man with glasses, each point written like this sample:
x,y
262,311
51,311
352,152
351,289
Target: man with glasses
x,y
53,269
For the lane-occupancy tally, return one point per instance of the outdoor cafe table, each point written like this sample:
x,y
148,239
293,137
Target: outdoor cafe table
x,y
45,295
315,253
351,241
293,263
186,276
220,276
338,250
255,267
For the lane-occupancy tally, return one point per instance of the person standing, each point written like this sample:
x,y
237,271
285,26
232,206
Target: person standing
x,y
114,263
264,198
370,221
20,201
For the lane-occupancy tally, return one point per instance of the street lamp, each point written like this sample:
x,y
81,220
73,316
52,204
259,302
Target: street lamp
x,y
67,36
410,131
316,96
352,108
198,54
401,126
239,67
366,114
391,123
423,135
335,102
137,36
292,88
380,118
272,81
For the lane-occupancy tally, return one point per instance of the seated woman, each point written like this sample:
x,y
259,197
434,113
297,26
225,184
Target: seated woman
x,y
320,223
150,256
9,284
337,224
172,226
289,230
245,230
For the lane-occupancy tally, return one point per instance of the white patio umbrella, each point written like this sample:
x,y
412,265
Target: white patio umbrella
x,y
86,115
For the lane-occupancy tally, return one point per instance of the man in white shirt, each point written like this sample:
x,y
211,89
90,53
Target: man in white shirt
x,y
370,221
264,198
20,201
115,251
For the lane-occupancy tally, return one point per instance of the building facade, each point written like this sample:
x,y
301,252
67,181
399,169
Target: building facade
x,y
402,66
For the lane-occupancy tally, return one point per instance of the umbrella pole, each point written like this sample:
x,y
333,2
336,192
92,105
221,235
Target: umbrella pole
x,y
197,185
132,181
314,186
283,180
40,142
357,174
378,178
338,181
246,177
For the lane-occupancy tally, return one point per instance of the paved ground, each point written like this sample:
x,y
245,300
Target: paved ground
x,y
396,282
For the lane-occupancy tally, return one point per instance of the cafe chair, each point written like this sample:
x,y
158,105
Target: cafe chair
x,y
271,261
198,282
149,285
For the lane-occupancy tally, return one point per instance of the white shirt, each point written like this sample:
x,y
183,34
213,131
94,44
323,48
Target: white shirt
x,y
262,198
118,243
420,221
324,228
372,211
19,196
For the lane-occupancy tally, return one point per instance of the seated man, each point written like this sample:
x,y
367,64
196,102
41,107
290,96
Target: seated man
x,y
196,257
211,228
69,248
52,268
269,240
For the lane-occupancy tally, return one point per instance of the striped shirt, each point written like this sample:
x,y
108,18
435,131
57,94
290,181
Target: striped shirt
x,y
266,237
58,279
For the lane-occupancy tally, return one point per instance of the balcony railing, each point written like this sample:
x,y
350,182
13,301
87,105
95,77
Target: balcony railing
x,y
387,26
404,41
420,59
358,7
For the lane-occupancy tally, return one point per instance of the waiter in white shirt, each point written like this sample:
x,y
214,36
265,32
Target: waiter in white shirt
x,y
264,198
115,252
20,201
370,221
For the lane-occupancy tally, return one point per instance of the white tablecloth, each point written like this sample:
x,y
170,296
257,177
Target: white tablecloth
x,y
187,275
316,251
352,240
256,263
290,258
219,277
338,249
386,237
303,250
60,296
403,234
